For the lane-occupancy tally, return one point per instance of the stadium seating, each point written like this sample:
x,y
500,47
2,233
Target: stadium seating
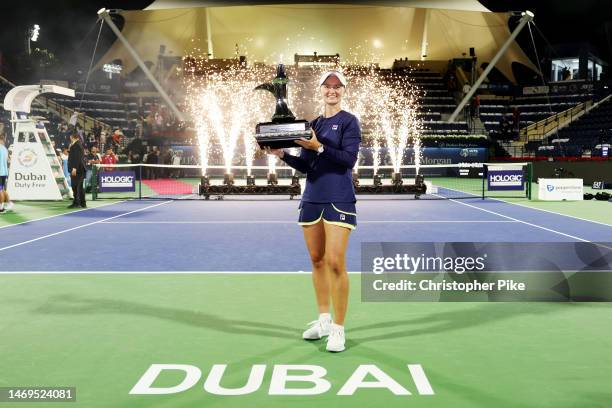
x,y
436,101
108,108
585,134
531,108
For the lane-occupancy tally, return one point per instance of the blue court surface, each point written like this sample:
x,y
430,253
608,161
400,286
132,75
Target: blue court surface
x,y
238,234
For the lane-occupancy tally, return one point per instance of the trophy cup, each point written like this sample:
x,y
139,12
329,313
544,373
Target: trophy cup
x,y
283,129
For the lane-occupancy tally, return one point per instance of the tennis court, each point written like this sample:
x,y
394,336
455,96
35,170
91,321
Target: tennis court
x,y
92,298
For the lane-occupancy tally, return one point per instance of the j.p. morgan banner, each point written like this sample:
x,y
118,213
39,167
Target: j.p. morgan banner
x,y
505,178
486,271
116,181
429,155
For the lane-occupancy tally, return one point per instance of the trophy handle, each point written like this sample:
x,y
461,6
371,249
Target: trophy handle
x,y
267,87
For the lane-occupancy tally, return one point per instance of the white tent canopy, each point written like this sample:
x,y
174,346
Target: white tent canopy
x,y
465,5
358,32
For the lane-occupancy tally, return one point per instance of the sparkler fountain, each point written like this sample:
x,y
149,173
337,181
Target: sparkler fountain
x,y
226,109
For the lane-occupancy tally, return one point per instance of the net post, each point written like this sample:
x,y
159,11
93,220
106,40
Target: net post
x,y
94,182
484,176
140,181
529,178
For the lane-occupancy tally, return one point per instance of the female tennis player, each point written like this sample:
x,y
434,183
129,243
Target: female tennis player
x,y
327,209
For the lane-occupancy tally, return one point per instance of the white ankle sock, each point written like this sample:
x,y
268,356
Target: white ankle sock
x,y
324,316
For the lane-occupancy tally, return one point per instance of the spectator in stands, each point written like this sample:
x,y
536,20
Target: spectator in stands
x,y
504,127
152,158
81,132
139,128
516,118
566,74
476,108
451,84
92,157
73,119
91,140
5,202
176,161
76,164
97,130
109,158
159,120
108,142
117,137
136,147
133,157
148,125
165,158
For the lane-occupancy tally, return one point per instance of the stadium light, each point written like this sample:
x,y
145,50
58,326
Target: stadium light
x,y
112,69
528,13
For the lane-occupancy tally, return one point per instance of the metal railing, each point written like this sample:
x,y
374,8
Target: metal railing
x,y
552,124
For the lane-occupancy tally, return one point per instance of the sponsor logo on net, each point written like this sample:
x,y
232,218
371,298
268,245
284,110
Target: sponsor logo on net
x,y
286,380
117,181
506,179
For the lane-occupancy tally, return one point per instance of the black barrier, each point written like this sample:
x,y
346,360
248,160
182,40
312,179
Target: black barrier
x,y
589,171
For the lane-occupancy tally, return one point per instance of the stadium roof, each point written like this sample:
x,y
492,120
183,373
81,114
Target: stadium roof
x,y
358,32
466,5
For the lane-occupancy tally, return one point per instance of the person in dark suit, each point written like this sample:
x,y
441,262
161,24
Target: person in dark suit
x,y
76,167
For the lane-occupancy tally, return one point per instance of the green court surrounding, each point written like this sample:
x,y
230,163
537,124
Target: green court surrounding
x,y
100,333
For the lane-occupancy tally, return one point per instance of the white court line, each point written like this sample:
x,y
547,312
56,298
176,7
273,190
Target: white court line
x,y
58,215
80,226
501,200
298,273
294,222
521,221
550,212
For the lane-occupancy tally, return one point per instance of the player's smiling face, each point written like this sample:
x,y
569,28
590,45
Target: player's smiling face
x,y
332,90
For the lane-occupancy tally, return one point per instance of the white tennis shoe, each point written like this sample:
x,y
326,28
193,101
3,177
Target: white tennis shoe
x,y
335,341
317,329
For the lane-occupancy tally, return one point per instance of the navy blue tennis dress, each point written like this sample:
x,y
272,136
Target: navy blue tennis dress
x,y
329,194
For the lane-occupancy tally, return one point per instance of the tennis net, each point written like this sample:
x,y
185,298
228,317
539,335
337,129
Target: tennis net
x,y
443,181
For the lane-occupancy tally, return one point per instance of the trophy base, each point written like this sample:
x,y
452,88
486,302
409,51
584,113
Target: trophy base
x,y
281,135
